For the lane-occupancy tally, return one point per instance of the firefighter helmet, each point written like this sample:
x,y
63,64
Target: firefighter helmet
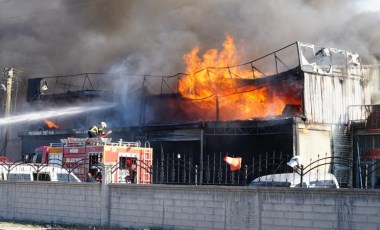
x,y
103,124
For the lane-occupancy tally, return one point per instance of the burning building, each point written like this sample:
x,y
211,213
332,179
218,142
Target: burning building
x,y
293,101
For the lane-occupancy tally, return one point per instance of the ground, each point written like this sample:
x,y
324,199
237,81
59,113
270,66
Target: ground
x,y
4,225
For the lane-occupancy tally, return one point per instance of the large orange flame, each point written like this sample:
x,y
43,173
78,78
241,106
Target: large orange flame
x,y
207,75
213,86
51,124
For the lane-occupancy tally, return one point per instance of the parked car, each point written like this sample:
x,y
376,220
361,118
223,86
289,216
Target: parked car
x,y
310,180
25,172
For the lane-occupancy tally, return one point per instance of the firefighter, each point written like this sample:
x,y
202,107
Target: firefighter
x,y
97,130
90,178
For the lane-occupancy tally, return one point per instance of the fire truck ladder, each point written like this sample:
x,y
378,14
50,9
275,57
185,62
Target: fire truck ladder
x,y
147,159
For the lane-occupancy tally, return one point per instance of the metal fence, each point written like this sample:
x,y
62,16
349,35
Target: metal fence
x,y
213,170
176,169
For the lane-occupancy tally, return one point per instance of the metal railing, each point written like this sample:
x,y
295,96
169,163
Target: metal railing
x,y
213,170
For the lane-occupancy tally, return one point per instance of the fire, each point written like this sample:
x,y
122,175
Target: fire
x,y
215,85
51,124
205,81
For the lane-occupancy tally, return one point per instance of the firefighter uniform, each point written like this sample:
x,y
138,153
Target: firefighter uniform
x,y
97,130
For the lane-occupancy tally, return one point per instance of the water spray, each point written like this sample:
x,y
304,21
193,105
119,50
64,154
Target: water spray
x,y
50,113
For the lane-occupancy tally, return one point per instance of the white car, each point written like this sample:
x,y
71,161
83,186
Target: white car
x,y
25,172
310,180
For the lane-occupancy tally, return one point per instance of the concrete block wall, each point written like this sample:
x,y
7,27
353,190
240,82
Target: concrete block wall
x,y
190,207
215,207
50,202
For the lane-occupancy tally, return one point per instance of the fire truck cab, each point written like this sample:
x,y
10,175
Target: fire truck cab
x,y
128,162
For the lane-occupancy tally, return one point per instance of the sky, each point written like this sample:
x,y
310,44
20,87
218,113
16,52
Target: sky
x,y
59,37
367,5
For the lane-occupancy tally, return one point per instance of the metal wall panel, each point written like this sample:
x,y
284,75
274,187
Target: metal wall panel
x,y
373,72
326,98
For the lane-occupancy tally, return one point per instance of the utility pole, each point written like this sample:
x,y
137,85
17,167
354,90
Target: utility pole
x,y
8,75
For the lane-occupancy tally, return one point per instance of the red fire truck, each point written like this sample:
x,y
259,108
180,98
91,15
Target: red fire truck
x,y
129,162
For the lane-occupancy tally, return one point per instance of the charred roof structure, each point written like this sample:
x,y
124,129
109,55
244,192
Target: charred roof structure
x,y
298,101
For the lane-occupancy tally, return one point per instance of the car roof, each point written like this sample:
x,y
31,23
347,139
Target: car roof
x,y
295,178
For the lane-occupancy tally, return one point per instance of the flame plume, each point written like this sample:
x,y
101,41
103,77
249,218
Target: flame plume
x,y
220,90
51,124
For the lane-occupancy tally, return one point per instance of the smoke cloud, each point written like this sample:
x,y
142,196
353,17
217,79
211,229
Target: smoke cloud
x,y
60,37
66,36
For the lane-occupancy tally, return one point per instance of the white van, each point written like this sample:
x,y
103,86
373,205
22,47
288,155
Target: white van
x,y
26,172
310,180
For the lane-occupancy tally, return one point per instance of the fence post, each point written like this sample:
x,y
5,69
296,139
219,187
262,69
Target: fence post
x,y
104,195
246,174
301,176
366,176
151,174
196,174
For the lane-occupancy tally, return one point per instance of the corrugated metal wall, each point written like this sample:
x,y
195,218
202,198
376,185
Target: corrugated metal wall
x,y
326,98
372,73
314,145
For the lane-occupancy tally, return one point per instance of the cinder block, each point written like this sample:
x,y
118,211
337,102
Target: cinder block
x,y
213,204
220,211
189,196
183,203
373,219
218,225
168,202
169,215
172,209
205,211
293,215
302,208
267,221
214,218
197,204
302,223
273,214
324,209
154,201
196,217
283,222
205,197
189,210
357,218
205,224
153,214
319,216
133,207
366,210
324,224
157,208
367,226
137,213
175,196
188,223
181,216
172,222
